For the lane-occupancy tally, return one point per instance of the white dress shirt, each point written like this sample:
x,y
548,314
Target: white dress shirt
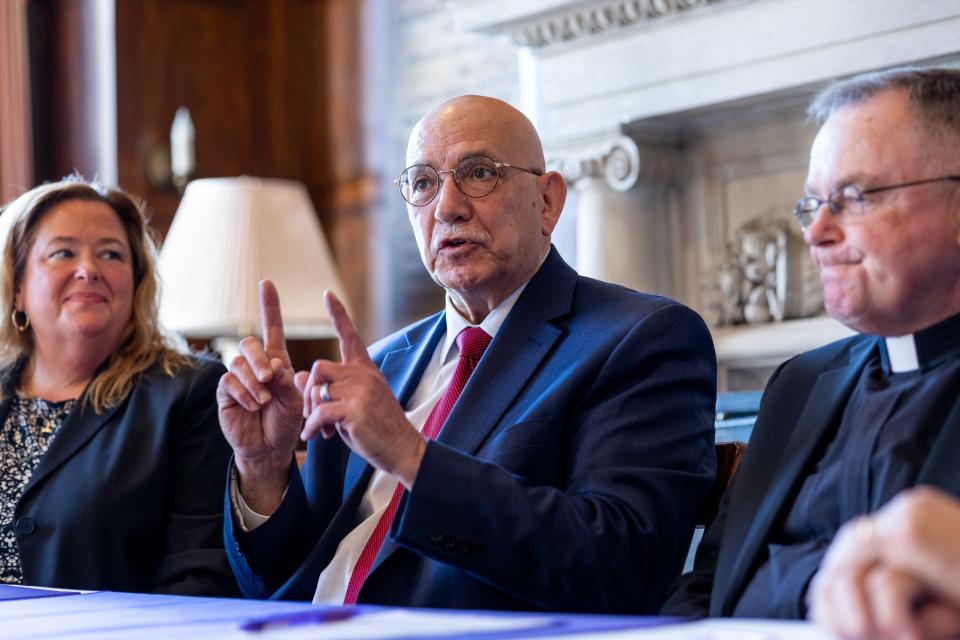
x,y
333,581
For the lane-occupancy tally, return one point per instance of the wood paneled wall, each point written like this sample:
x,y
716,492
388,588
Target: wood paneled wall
x,y
16,168
274,90
64,84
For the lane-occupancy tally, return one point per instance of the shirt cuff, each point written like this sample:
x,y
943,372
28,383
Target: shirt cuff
x,y
245,517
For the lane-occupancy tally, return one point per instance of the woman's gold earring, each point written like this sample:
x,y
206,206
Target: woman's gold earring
x,y
20,320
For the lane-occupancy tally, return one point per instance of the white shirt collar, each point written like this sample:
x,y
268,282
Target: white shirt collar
x,y
491,324
902,351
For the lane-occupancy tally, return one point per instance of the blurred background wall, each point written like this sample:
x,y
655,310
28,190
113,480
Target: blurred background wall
x,y
679,124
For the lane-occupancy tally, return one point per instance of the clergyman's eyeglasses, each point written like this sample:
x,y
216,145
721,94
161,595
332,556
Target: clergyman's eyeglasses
x,y
849,200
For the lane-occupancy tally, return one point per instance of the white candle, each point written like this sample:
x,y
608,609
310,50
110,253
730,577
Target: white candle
x,y
182,157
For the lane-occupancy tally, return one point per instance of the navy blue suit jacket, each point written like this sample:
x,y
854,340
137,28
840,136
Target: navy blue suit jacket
x,y
566,476
801,407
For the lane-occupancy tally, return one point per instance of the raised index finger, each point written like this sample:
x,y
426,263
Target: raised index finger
x,y
352,348
271,322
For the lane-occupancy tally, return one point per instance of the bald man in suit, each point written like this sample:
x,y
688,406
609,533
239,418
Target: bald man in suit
x,y
576,415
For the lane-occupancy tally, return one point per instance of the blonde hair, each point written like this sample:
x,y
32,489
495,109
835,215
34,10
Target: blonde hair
x,y
143,343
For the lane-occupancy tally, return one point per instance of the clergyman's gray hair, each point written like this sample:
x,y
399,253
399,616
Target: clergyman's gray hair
x,y
934,95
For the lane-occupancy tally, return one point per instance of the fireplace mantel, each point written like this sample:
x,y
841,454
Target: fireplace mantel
x,y
602,64
678,121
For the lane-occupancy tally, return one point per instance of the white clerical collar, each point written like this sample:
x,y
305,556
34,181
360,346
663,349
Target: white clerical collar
x,y
924,349
902,352
491,324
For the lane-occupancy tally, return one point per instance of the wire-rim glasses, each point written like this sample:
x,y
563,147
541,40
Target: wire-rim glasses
x,y
849,200
476,177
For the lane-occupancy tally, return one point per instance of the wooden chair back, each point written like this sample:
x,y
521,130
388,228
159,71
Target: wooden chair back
x,y
729,457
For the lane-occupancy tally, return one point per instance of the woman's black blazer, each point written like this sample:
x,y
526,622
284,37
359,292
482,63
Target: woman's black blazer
x,y
132,499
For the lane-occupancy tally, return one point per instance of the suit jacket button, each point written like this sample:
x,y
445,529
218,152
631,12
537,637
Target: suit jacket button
x,y
435,535
25,526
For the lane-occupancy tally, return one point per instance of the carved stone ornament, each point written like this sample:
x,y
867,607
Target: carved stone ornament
x,y
767,275
600,18
617,160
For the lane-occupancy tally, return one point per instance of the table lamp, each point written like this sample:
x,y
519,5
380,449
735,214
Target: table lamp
x,y
227,235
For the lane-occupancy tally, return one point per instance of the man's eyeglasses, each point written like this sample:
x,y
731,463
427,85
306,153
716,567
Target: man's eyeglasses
x,y
476,176
849,200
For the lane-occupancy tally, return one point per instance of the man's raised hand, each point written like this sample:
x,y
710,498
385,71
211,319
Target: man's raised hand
x,y
361,407
260,409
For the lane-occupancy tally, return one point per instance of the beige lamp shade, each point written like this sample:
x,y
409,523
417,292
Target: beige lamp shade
x,y
227,235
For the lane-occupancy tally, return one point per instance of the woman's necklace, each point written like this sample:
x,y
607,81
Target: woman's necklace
x,y
49,426
55,412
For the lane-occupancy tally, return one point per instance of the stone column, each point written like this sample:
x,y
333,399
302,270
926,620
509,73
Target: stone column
x,y
624,227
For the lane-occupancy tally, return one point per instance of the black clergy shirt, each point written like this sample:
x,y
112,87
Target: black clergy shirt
x,y
884,437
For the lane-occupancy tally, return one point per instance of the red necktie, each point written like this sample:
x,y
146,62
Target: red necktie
x,y
472,342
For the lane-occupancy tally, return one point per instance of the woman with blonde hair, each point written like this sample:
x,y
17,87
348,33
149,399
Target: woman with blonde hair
x,y
112,464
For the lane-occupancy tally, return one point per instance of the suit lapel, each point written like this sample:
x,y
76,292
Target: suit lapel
x,y
511,359
514,356
752,516
403,366
80,426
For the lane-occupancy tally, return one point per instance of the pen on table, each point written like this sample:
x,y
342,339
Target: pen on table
x,y
301,618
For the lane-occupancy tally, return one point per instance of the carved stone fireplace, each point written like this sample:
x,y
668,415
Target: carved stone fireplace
x,y
676,121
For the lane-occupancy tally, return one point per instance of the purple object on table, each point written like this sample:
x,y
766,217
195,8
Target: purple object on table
x,y
15,592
